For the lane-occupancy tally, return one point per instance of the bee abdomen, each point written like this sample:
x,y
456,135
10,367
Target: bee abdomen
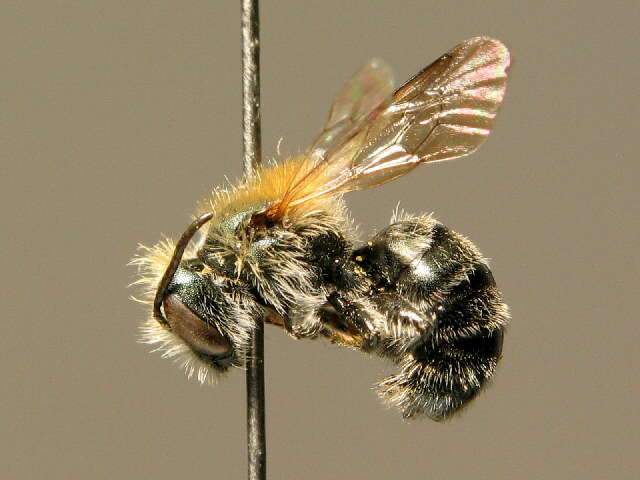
x,y
447,260
446,371
447,279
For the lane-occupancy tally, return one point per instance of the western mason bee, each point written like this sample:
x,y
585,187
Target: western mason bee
x,y
280,248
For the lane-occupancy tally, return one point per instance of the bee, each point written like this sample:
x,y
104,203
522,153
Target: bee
x,y
280,248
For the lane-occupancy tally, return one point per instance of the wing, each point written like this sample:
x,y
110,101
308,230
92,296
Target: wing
x,y
369,89
445,111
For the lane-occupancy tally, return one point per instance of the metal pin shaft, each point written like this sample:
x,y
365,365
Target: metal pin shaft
x,y
256,438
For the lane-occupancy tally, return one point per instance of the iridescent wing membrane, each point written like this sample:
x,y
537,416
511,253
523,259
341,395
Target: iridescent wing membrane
x,y
369,89
372,136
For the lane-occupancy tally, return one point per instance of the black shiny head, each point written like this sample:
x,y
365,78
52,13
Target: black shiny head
x,y
189,304
197,299
182,291
174,264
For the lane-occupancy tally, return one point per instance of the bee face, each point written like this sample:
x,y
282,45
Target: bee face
x,y
208,317
280,247
188,315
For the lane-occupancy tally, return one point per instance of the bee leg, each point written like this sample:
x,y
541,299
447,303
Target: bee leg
x,y
302,326
406,327
355,320
303,320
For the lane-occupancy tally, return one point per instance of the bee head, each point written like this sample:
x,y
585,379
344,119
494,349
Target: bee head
x,y
187,297
188,313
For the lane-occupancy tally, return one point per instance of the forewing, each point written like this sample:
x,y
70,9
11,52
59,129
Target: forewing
x,y
445,111
367,91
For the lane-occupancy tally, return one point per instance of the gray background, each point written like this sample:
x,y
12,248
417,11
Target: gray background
x,y
118,116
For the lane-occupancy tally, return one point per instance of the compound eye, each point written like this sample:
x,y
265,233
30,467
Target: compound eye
x,y
202,337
